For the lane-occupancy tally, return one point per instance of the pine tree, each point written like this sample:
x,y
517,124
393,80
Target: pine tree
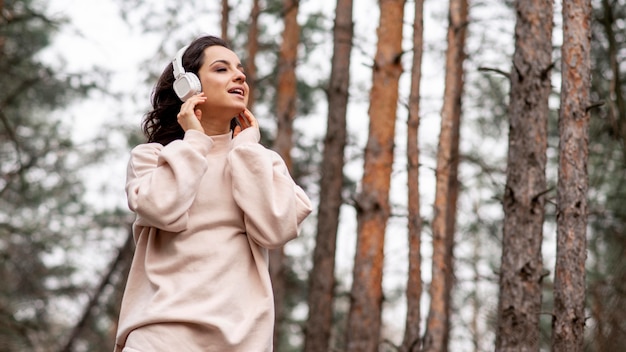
x,y
521,270
286,96
572,210
43,215
446,193
411,341
322,277
373,210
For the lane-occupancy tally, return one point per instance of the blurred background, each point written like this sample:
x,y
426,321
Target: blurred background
x,y
75,82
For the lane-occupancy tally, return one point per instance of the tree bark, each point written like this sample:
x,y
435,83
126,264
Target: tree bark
x,y
411,340
456,57
286,85
364,317
524,196
285,113
569,283
446,192
322,280
225,20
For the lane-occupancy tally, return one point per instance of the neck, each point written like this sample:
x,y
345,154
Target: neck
x,y
215,126
213,131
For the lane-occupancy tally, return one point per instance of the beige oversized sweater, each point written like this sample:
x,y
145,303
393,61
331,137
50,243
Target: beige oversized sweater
x,y
207,209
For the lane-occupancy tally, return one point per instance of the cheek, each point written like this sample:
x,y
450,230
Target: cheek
x,y
206,85
209,82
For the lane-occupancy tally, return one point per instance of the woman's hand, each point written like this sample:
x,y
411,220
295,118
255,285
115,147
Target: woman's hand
x,y
245,120
189,117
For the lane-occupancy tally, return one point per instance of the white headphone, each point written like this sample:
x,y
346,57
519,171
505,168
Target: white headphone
x,y
186,84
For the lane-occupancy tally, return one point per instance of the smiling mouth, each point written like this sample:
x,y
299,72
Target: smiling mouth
x,y
237,91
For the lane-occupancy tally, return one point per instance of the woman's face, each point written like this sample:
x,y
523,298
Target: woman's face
x,y
223,83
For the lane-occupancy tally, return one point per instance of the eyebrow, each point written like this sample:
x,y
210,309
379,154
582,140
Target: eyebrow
x,y
225,62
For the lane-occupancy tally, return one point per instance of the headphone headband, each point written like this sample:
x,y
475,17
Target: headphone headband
x,y
179,70
186,84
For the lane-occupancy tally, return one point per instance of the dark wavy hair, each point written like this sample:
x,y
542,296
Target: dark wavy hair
x,y
160,125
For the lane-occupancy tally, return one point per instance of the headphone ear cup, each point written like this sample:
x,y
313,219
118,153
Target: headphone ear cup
x,y
187,85
194,82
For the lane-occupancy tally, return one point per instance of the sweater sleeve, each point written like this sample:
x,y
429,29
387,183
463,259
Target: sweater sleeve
x,y
273,205
161,182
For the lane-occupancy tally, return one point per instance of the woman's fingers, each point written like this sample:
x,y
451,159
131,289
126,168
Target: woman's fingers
x,y
242,121
236,131
247,119
189,117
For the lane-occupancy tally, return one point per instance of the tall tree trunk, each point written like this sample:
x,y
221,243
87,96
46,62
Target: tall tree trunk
x,y
286,85
446,192
285,113
569,282
225,20
364,318
522,267
253,48
455,57
411,340
322,280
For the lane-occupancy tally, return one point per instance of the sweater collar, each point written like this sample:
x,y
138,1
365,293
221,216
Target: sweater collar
x,y
221,142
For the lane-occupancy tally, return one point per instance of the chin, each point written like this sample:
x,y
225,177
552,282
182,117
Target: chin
x,y
233,111
240,108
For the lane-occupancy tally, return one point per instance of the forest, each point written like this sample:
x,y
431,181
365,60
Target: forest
x,y
465,159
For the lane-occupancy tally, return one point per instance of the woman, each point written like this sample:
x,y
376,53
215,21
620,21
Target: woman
x,y
209,203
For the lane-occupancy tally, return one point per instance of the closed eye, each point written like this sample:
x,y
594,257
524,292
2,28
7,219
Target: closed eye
x,y
219,66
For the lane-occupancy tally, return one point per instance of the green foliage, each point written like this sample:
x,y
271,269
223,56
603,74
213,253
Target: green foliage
x,y
607,173
43,216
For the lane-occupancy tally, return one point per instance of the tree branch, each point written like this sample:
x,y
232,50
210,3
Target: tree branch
x,y
496,70
113,267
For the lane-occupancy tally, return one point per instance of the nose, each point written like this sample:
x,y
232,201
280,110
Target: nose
x,y
240,76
